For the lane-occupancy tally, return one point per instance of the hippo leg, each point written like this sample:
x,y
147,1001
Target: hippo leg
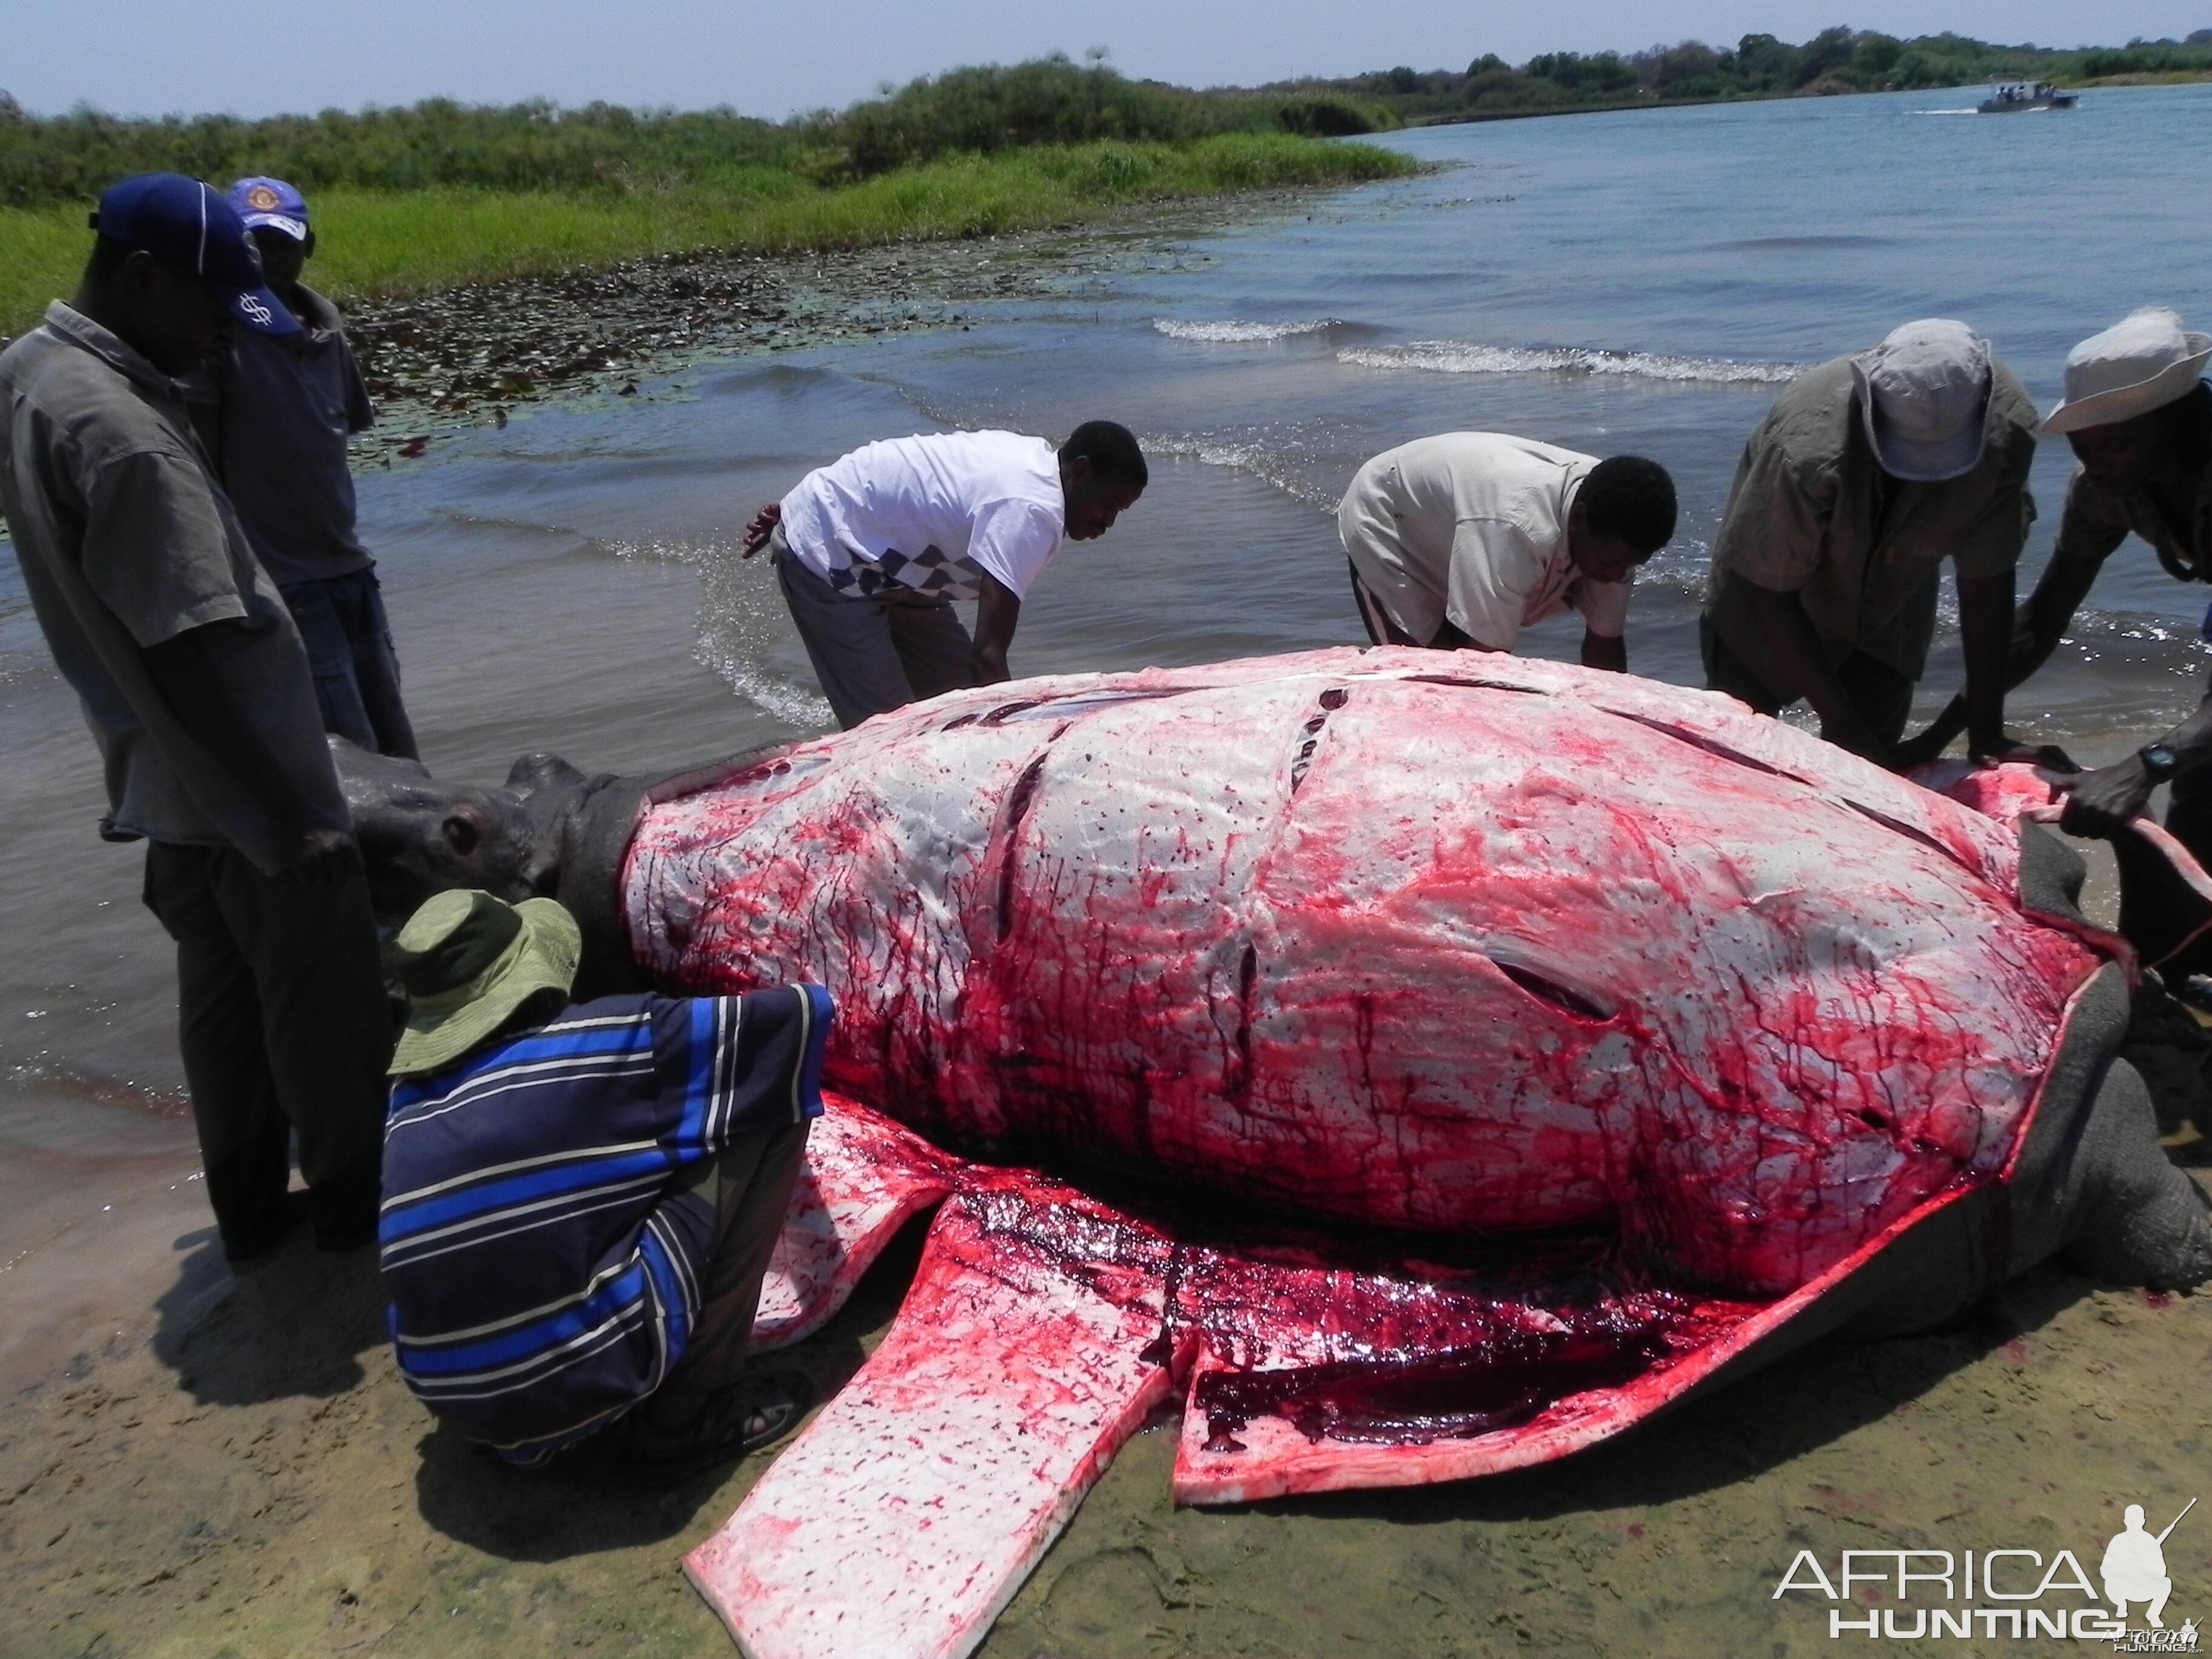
x,y
2137,1218
2091,1186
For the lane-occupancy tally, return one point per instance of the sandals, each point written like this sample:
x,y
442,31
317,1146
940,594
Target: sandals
x,y
751,1414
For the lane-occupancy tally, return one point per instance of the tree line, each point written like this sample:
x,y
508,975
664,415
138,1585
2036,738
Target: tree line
x,y
442,143
1836,60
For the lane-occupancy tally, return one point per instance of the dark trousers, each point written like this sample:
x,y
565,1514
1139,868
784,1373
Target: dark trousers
x,y
1882,697
286,1031
2188,808
750,1186
349,639
874,654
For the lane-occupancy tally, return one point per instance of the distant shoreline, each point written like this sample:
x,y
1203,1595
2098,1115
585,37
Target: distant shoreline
x,y
1470,117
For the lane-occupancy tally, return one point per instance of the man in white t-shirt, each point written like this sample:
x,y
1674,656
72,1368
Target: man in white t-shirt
x,y
872,550
1461,540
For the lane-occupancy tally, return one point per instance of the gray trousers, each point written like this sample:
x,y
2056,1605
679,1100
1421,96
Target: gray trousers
x,y
749,1186
285,1030
877,653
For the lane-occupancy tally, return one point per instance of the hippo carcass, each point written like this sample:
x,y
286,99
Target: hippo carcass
x,y
1432,1064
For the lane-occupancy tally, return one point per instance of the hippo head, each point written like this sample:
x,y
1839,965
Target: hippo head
x,y
419,835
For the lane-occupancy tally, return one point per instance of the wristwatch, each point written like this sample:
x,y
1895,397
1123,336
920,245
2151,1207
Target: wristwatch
x,y
2159,761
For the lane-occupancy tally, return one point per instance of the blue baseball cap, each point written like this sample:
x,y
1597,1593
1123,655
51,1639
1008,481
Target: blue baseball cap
x,y
270,202
186,225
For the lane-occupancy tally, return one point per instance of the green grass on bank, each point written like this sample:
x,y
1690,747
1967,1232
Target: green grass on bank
x,y
387,243
540,145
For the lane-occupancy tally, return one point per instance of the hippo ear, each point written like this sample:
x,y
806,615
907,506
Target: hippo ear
x,y
364,767
534,772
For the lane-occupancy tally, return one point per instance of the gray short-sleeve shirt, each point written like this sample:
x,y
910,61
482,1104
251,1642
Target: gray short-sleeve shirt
x,y
125,541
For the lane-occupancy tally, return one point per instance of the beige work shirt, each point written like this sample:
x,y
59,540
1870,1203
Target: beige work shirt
x,y
125,540
1472,527
2097,520
1812,513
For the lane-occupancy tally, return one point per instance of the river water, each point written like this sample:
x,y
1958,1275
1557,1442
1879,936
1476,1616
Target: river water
x,y
1636,282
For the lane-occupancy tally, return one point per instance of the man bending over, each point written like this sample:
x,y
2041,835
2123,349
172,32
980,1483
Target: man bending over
x,y
580,1202
1462,540
1866,475
872,550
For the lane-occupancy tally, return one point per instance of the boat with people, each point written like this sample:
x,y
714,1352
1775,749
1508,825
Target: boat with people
x,y
2007,97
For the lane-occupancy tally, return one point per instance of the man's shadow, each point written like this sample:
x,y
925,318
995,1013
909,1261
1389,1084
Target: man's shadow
x,y
293,1324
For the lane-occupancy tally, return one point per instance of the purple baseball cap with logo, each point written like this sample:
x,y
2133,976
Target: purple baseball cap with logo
x,y
270,202
190,227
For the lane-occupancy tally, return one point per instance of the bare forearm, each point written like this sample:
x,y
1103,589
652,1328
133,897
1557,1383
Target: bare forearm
x,y
1985,631
1600,652
2192,739
2037,625
997,613
2042,621
2102,803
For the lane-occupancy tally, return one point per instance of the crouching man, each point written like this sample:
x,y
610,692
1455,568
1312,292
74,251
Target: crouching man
x,y
580,1200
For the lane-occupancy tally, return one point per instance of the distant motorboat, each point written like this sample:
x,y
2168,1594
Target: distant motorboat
x,y
2010,97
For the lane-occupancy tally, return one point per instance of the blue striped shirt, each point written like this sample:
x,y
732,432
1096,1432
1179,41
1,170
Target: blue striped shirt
x,y
542,1269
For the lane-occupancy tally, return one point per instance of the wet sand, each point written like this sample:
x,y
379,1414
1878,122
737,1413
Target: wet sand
x,y
230,1466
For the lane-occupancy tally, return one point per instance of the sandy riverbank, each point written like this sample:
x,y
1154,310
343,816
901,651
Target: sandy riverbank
x,y
229,1467
195,1463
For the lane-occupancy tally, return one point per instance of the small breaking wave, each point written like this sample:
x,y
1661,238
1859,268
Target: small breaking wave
x,y
738,623
1454,357
1237,333
1272,462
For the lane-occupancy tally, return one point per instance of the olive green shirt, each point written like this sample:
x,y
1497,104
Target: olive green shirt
x,y
2097,520
1812,513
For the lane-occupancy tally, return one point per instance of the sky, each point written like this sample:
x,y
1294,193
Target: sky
x,y
773,58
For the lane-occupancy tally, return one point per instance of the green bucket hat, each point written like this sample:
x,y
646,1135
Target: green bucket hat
x,y
468,961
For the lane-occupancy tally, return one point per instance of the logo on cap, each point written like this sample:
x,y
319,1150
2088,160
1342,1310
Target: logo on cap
x,y
262,199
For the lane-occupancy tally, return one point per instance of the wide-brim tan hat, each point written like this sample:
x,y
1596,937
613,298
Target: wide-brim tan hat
x,y
2142,362
468,961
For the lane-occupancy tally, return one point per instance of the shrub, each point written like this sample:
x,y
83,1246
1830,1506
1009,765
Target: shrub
x,y
1323,117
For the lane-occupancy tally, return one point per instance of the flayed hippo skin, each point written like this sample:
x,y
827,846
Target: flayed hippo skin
x,y
1422,1065
1408,950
